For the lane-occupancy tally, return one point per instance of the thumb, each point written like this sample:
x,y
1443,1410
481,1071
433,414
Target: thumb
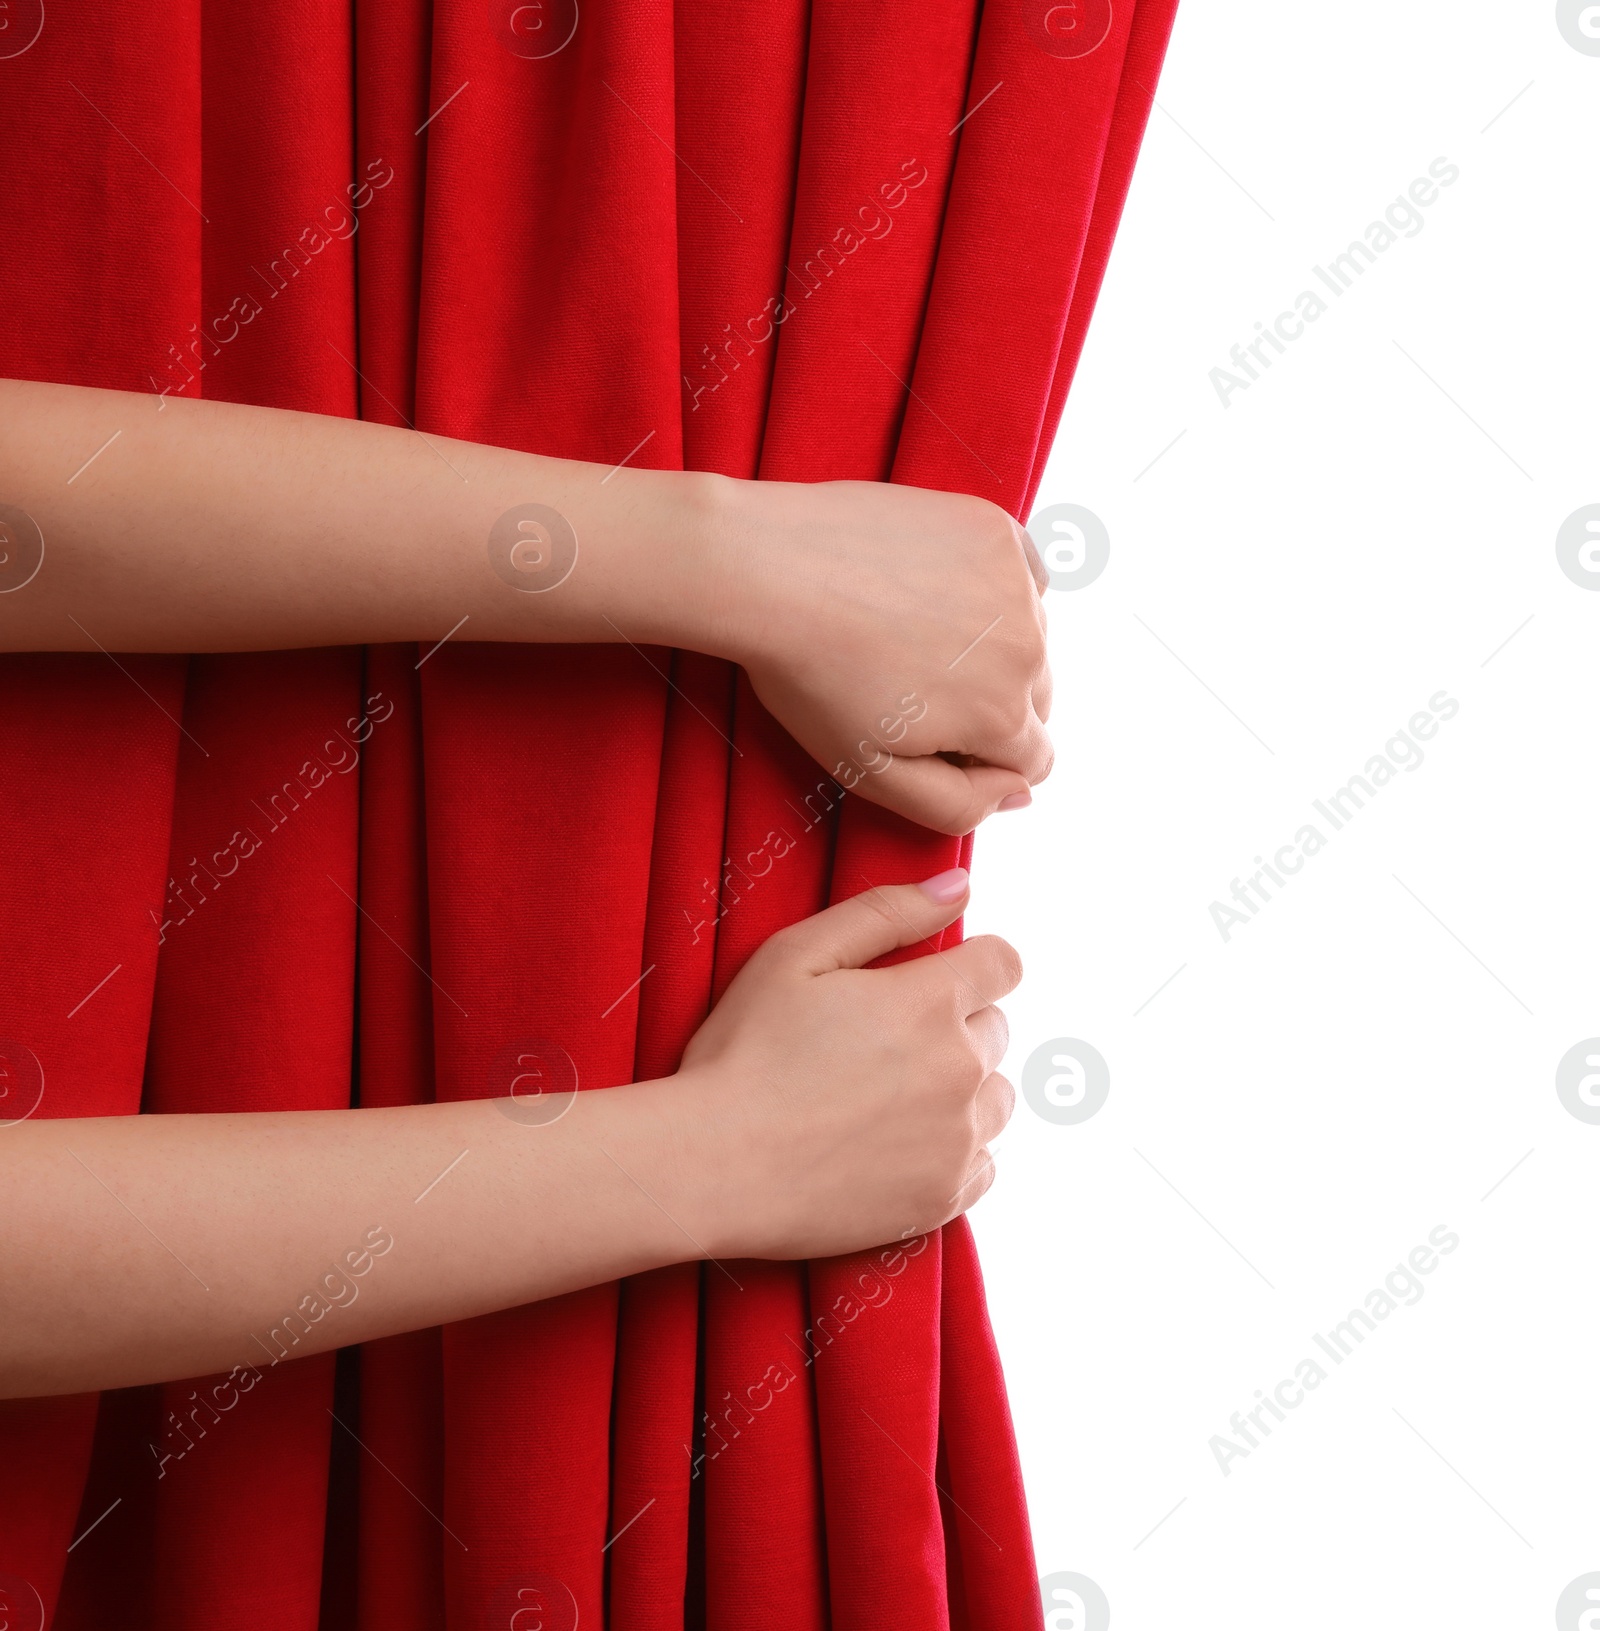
x,y
877,921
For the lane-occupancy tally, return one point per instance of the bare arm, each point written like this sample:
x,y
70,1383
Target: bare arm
x,y
210,526
821,1108
213,526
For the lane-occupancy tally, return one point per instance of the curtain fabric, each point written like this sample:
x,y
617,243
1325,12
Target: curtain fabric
x,y
791,241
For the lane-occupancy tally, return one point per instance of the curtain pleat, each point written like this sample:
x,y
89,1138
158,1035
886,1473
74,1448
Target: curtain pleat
x,y
800,242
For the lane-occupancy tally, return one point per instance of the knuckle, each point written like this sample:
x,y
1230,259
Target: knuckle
x,y
1002,1026
875,905
987,519
1006,1095
1001,959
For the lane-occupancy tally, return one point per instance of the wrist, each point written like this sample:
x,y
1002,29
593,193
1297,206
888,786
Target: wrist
x,y
700,1167
664,1148
706,582
651,566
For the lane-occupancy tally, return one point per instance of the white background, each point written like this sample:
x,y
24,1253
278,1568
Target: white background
x,y
1370,1055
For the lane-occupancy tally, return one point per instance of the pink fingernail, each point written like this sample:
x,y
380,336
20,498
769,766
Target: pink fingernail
x,y
944,887
1015,801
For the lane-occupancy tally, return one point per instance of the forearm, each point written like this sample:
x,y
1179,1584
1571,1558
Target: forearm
x,y
146,1248
895,633
211,526
824,1107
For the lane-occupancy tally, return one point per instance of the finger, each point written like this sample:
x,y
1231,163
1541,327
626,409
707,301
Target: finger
x,y
997,1098
948,798
1043,692
986,968
1036,566
1010,739
877,921
1029,753
990,1036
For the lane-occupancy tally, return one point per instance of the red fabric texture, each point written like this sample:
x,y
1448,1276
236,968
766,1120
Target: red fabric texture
x,y
789,241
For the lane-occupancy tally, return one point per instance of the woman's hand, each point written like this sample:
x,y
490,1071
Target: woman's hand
x,y
898,636
849,1106
895,632
821,1108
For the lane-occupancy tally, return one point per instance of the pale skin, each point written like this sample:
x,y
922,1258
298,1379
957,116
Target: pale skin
x,y
823,1107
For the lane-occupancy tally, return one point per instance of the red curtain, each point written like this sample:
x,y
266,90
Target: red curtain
x,y
795,241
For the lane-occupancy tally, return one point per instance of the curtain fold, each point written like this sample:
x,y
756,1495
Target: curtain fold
x,y
798,242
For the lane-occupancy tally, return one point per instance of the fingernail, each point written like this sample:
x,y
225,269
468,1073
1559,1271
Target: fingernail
x,y
1015,801
944,887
